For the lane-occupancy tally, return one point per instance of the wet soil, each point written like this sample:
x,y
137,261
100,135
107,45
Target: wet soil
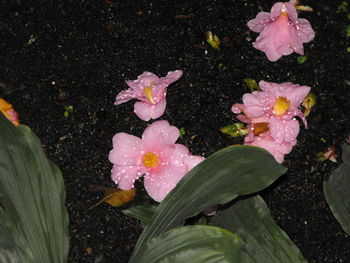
x,y
59,53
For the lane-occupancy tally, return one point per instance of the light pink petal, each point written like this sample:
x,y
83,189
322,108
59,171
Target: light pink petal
x,y
125,176
267,143
254,104
144,80
126,95
257,24
126,150
237,108
158,134
277,9
176,153
146,111
284,130
160,88
192,160
296,94
171,77
292,11
304,31
159,184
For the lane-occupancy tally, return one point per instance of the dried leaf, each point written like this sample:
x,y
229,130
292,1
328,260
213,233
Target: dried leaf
x,y
304,8
7,109
114,196
182,16
329,154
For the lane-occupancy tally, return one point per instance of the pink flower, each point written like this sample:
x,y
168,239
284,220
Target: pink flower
x,y
151,91
270,116
156,156
278,150
281,31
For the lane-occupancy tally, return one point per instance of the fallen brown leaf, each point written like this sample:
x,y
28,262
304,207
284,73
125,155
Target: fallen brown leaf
x,y
113,196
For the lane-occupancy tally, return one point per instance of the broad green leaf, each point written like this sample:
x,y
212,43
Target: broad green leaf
x,y
32,196
9,251
336,190
195,244
265,241
143,213
228,173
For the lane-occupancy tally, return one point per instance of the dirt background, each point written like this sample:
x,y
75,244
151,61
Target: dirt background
x,y
60,53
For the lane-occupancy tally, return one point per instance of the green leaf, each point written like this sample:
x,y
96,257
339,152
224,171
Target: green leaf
x,y
195,244
302,59
336,190
264,241
233,171
32,196
252,85
143,213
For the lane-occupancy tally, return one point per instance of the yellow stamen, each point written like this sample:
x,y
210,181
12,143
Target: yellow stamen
x,y
284,13
260,128
281,105
150,160
148,93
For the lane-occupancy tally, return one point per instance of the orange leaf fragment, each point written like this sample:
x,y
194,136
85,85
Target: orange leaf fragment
x,y
114,196
7,109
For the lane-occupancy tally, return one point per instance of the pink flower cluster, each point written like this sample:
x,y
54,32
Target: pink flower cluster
x,y
270,113
281,31
151,91
156,156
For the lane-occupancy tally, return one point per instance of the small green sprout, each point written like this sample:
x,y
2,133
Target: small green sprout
x,y
348,49
343,7
252,85
213,40
348,31
182,132
31,40
309,102
302,59
235,130
67,110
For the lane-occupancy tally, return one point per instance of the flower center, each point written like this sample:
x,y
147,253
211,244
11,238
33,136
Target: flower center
x,y
148,93
150,160
281,105
260,128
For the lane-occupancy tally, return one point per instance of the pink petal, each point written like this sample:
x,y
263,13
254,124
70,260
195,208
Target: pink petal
x,y
146,111
158,134
291,11
192,160
277,9
254,104
125,176
284,130
296,94
144,80
159,184
126,150
176,153
257,24
126,95
160,88
237,108
171,77
304,31
267,143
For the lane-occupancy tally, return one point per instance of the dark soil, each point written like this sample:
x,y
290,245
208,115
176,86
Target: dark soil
x,y
79,53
